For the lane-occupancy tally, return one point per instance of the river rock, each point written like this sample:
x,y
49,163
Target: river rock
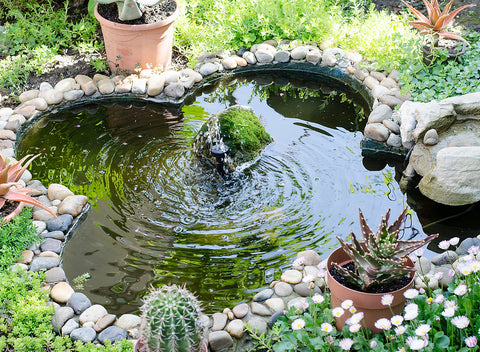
x,y
229,63
291,276
28,95
454,180
87,84
51,96
104,322
263,295
27,257
38,103
174,90
282,56
468,104
61,292
85,335
432,115
219,321
300,303
79,302
423,265
57,235
43,263
72,95
329,59
52,245
380,113
56,274
430,137
377,132
406,115
62,314
62,225
106,86
389,83
314,56
390,100
361,74
208,68
447,257
370,82
282,289
57,191
26,111
249,57
394,140
310,257
69,326
124,86
128,321
260,309
466,244
92,314
155,85
72,205
379,91
264,56
241,310
392,126
275,304
65,85
112,333
257,324
235,328
379,76
220,341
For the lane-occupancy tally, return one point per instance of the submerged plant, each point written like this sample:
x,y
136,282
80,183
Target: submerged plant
x,y
129,9
437,20
170,320
382,257
11,189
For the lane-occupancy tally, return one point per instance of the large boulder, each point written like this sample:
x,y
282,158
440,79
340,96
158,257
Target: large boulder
x,y
237,128
455,178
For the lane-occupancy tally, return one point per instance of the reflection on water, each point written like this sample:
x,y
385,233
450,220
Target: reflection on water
x,y
159,216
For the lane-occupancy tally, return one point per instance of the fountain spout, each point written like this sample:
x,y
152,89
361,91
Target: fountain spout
x,y
219,151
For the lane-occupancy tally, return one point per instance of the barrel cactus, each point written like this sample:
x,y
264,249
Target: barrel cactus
x,y
170,320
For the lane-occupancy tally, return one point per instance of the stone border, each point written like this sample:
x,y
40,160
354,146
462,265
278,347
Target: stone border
x,y
380,90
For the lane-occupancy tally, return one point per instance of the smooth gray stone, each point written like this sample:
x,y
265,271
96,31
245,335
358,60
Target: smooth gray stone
x,y
79,302
62,225
58,235
466,244
52,245
263,295
112,333
44,263
69,326
56,274
447,257
83,334
62,314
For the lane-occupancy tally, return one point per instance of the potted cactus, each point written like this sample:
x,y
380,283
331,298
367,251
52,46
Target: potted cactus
x,y
170,321
434,25
131,40
365,272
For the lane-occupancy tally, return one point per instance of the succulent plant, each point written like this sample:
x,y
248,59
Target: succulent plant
x,y
437,20
128,9
170,320
11,189
383,257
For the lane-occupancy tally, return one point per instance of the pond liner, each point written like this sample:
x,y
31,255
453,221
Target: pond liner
x,y
378,150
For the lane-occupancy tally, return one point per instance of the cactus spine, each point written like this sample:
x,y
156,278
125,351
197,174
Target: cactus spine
x,y
170,320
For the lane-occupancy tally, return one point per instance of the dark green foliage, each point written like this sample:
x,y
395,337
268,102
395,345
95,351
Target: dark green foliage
x,y
16,236
170,320
242,132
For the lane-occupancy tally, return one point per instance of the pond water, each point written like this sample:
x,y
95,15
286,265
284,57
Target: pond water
x,y
160,216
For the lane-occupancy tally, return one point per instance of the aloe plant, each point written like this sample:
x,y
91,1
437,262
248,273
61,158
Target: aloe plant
x,y
11,189
437,20
129,9
383,257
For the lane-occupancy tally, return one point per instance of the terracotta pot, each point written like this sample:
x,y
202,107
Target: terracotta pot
x,y
129,45
368,303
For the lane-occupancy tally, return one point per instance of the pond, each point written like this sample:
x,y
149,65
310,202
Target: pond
x,y
160,216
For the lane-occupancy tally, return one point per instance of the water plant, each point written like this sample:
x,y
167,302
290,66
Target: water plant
x,y
382,258
129,9
170,320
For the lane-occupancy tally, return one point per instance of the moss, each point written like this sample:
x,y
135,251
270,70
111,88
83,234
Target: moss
x,y
242,132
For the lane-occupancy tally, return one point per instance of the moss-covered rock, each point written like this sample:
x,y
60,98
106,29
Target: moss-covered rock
x,y
237,127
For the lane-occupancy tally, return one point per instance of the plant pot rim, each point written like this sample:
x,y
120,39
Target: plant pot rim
x,y
355,292
137,27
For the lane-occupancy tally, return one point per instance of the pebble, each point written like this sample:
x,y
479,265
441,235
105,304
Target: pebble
x,y
430,137
241,310
310,257
282,289
62,225
104,322
314,56
299,53
26,111
264,56
86,84
56,274
65,85
291,276
303,289
112,333
72,205
389,83
124,86
28,95
79,302
106,86
257,324
370,82
447,257
61,292
380,113
249,57
361,74
72,95
85,335
139,86
52,245
392,126
235,328
423,266
48,254
51,96
394,140
155,85
260,309
390,100
128,321
92,314
69,326
58,235
27,257
174,90
466,244
208,68
62,314
219,340
376,131
219,321
240,61
379,76
275,304
379,91
45,86
43,263
263,295
282,56
329,59
229,63
58,191
300,303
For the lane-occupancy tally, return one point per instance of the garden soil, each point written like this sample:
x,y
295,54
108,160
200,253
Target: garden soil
x,y
71,63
